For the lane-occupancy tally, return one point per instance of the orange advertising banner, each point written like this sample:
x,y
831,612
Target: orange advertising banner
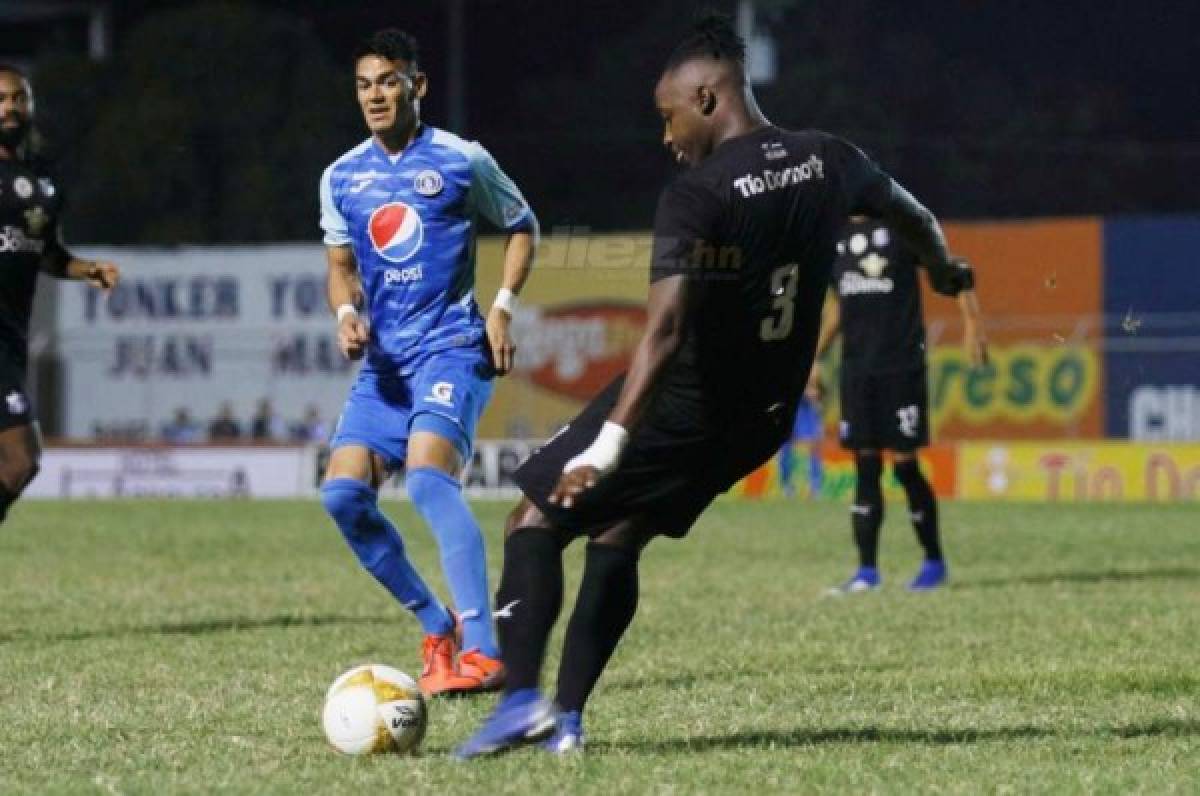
x,y
1040,285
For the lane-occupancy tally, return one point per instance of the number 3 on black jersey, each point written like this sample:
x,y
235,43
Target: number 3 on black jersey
x,y
778,325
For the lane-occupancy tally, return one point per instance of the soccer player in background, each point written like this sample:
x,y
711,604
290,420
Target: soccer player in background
x,y
31,202
743,246
885,404
399,215
807,428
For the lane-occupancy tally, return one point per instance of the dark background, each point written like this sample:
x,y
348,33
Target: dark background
x,y
212,122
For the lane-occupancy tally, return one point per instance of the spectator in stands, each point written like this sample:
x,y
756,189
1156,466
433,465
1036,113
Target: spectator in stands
x,y
266,426
224,426
181,429
310,428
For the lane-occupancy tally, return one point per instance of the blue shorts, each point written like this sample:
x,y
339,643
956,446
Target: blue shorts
x,y
807,425
446,395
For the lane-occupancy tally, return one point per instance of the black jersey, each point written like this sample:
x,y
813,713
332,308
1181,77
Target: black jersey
x,y
875,276
29,209
754,228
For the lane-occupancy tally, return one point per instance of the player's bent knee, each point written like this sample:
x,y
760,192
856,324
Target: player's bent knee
x,y
426,485
525,515
355,462
907,469
16,474
349,502
631,535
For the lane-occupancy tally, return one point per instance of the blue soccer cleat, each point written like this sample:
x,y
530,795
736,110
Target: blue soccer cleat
x,y
568,736
522,717
864,580
931,576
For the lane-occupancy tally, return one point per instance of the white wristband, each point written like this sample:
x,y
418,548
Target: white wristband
x,y
344,310
505,300
604,452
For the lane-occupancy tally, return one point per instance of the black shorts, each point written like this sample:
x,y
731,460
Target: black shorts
x,y
15,406
668,474
884,411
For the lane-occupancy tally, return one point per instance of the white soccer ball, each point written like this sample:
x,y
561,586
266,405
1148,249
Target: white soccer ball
x,y
373,709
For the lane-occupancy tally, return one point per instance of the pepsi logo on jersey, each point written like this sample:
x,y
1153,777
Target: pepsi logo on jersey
x,y
396,231
402,276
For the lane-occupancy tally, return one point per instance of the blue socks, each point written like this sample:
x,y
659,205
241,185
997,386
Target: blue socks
x,y
438,497
379,548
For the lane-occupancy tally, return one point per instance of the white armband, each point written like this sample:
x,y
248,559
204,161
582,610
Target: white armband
x,y
506,300
344,310
604,452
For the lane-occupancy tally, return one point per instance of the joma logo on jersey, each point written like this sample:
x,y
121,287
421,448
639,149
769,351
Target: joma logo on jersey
x,y
14,239
402,276
750,185
396,231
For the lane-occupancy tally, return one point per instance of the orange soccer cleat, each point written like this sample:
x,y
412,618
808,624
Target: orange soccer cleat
x,y
487,670
439,676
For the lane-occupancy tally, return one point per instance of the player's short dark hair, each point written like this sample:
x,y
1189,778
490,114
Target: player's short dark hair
x,y
13,69
713,35
33,147
390,43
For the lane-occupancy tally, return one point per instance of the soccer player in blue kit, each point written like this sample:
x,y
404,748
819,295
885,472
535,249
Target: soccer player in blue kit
x,y
398,213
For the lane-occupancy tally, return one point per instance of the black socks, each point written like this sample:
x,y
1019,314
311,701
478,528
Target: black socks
x,y
867,511
922,505
528,602
607,601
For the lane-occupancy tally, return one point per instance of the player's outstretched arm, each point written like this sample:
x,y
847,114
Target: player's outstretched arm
x,y
914,224
518,260
345,298
666,312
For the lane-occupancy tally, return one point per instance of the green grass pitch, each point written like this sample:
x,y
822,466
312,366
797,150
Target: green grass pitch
x,y
185,647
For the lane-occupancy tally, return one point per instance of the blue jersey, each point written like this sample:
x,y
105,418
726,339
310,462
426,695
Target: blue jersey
x,y
410,219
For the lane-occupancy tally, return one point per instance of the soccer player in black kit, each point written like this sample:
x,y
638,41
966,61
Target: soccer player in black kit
x,y
30,202
743,245
884,398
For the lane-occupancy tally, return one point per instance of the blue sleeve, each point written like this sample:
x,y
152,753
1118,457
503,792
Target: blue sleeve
x,y
496,196
334,224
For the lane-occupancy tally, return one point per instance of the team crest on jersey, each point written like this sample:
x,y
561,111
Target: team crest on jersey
x,y
23,187
16,403
873,265
441,393
396,231
428,183
36,219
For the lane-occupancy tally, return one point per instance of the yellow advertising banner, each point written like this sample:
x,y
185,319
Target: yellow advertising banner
x,y
1078,471
581,314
